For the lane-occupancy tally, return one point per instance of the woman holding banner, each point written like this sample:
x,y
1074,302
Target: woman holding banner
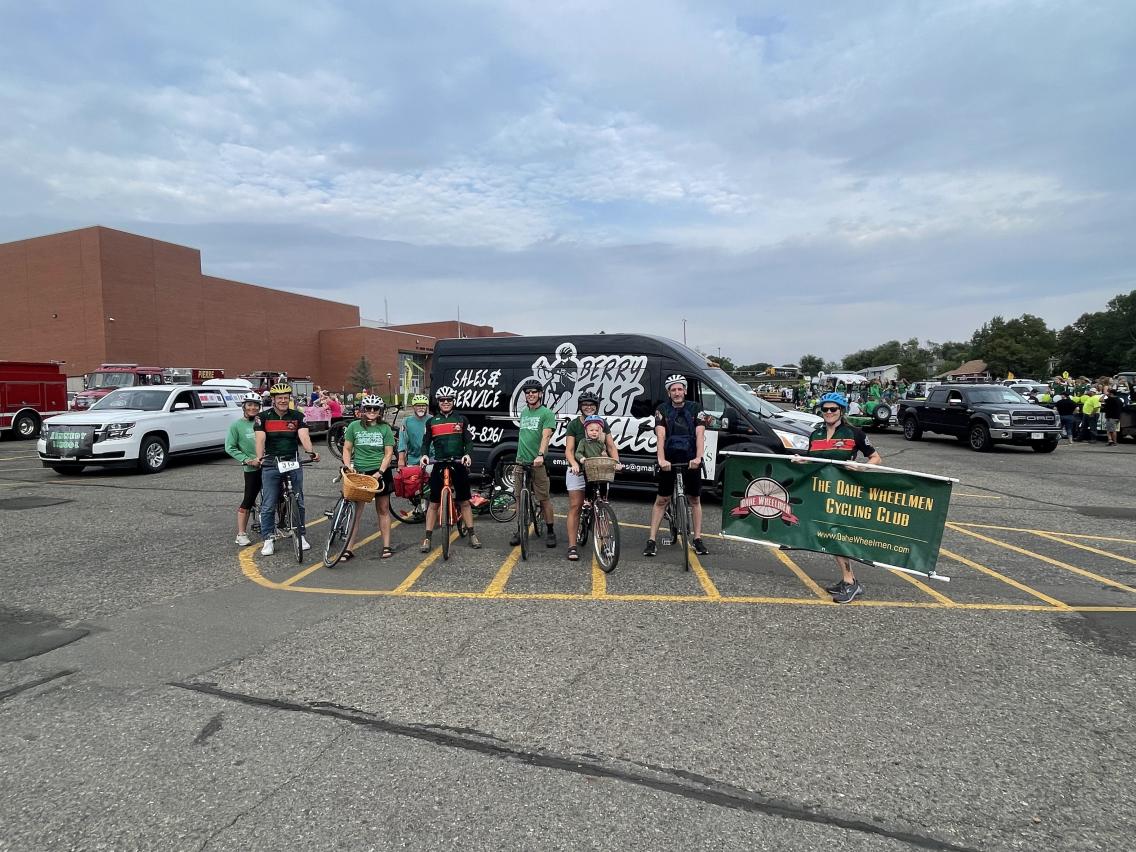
x,y
839,440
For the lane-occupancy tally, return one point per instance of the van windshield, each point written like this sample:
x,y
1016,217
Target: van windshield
x,y
735,395
110,380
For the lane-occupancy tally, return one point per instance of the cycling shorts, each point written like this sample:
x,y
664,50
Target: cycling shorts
x,y
459,481
691,481
252,489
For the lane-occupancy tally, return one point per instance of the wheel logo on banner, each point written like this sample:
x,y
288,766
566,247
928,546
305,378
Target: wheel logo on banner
x,y
766,498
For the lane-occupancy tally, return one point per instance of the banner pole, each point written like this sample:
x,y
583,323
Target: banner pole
x,y
859,465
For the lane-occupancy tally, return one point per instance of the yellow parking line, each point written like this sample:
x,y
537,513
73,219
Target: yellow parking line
x,y
1028,530
1061,539
497,586
804,578
1056,604
413,576
1042,557
919,584
703,578
599,579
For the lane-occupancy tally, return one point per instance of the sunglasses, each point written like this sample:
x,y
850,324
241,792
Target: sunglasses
x,y
531,391
371,408
829,409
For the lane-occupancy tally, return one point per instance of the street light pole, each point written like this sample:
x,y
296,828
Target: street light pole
x,y
684,332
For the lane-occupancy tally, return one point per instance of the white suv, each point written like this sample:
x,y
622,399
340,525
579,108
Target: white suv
x,y
139,426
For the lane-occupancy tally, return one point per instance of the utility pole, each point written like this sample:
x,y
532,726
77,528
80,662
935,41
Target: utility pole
x,y
684,332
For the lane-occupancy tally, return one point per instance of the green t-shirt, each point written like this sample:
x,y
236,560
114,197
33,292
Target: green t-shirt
x,y
368,444
589,449
576,430
533,423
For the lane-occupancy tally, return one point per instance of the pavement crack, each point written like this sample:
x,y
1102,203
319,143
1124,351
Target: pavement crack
x,y
308,764
676,782
32,684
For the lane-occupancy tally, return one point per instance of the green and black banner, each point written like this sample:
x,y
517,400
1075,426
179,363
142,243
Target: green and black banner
x,y
879,515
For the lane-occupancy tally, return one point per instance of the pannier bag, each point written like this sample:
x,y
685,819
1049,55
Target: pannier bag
x,y
408,481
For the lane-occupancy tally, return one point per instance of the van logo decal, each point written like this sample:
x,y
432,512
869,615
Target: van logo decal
x,y
616,379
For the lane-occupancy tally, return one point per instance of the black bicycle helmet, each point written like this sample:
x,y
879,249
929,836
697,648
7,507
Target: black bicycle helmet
x,y
531,384
588,396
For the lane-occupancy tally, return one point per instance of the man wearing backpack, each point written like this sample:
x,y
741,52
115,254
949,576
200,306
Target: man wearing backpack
x,y
681,441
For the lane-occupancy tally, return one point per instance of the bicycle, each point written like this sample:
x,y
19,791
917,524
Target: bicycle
x,y
412,510
448,515
529,513
494,498
598,511
290,501
337,432
679,518
342,518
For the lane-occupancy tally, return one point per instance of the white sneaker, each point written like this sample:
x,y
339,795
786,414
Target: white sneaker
x,y
269,548
243,540
304,544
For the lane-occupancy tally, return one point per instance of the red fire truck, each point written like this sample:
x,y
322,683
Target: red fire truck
x,y
108,377
30,391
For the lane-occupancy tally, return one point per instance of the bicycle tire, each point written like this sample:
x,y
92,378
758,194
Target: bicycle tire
x,y
584,526
409,510
463,530
335,439
525,522
297,536
254,516
340,532
606,538
503,507
445,512
681,514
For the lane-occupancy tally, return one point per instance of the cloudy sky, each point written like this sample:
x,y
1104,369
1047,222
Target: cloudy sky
x,y
787,177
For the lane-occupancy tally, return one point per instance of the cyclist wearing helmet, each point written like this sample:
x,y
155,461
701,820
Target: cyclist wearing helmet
x,y
681,441
837,439
279,433
446,438
240,443
536,425
368,447
413,430
574,478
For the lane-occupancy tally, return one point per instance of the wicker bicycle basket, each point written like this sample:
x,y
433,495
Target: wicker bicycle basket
x,y
360,488
600,469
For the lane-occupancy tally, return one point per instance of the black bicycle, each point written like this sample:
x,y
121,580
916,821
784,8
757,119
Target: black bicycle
x,y
290,504
679,518
528,513
597,515
337,432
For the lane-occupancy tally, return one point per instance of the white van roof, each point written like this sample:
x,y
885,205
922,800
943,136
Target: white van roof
x,y
243,384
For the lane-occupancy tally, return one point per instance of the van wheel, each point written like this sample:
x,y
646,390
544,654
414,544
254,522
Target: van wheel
x,y
503,470
152,455
25,426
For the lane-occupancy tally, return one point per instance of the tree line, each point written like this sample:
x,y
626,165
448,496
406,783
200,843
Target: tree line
x,y
1101,343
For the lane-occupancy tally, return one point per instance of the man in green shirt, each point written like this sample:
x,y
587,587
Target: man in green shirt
x,y
537,423
241,445
368,447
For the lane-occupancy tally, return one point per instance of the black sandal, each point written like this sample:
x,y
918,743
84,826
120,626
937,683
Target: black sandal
x,y
347,556
573,554
387,553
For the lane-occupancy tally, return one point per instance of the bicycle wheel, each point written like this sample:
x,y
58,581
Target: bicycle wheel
x,y
254,517
525,522
606,539
537,517
409,510
584,525
294,521
503,506
340,533
681,516
445,512
335,439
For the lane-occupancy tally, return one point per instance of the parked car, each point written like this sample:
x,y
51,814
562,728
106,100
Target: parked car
x,y
982,415
139,427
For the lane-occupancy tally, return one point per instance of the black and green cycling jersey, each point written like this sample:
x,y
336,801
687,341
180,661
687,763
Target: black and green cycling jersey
x,y
447,437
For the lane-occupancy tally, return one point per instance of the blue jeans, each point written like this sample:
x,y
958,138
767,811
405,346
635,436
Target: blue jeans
x,y
1069,425
270,495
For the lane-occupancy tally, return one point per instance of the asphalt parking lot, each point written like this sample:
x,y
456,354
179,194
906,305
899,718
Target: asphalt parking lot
x,y
163,689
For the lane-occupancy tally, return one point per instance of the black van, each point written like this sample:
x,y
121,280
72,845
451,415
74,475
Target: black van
x,y
626,371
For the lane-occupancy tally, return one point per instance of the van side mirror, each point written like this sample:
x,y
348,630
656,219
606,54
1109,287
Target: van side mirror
x,y
181,406
730,420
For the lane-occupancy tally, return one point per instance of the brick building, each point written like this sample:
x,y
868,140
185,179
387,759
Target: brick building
x,y
97,295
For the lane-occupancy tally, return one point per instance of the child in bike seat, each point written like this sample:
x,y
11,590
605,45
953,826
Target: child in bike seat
x,y
595,444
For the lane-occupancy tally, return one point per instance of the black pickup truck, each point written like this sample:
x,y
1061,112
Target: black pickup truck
x,y
981,415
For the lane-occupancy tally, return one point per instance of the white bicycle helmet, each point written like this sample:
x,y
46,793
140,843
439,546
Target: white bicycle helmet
x,y
252,396
372,401
676,379
445,392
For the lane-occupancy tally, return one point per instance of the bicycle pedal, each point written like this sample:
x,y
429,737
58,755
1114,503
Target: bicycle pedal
x,y
328,514
666,540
